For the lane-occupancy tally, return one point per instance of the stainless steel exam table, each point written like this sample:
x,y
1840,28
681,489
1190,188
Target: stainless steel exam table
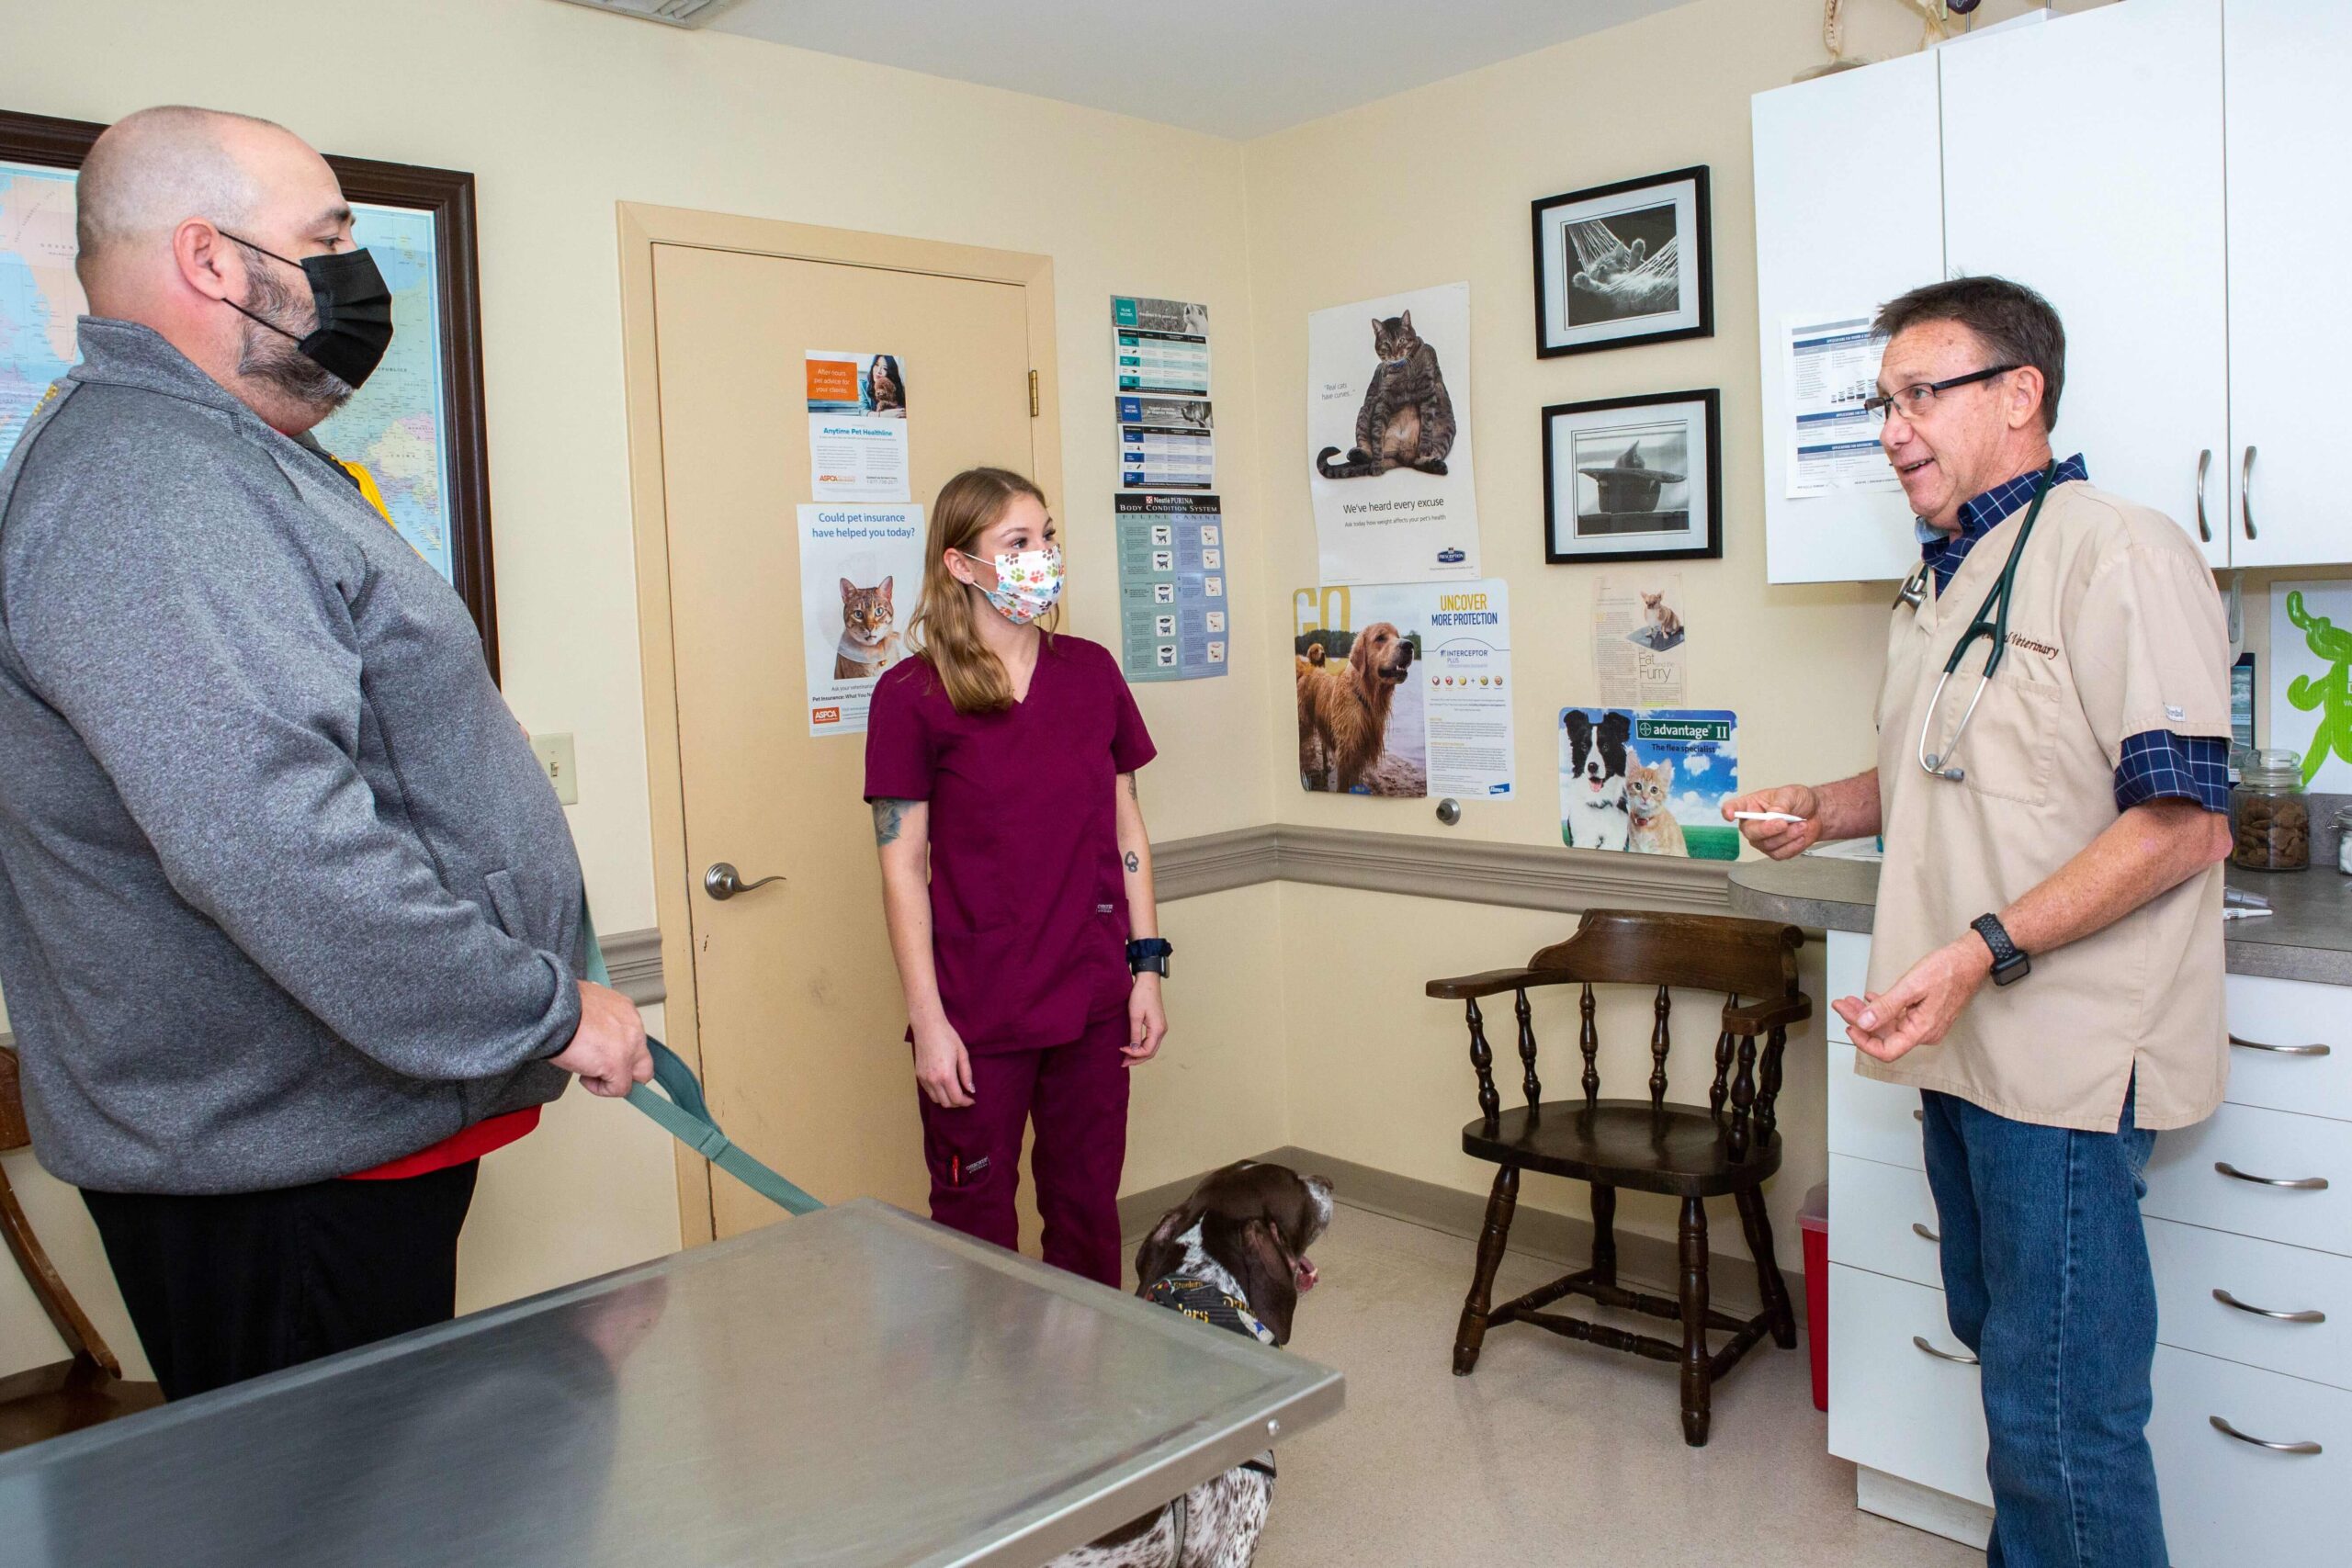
x,y
855,1387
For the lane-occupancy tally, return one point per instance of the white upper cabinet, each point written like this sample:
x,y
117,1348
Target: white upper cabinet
x,y
2288,85
2083,158
1848,216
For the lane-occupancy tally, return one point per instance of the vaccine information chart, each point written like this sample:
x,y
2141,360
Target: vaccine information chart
x,y
1173,611
1160,345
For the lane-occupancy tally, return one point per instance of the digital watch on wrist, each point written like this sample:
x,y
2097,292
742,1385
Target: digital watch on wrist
x,y
1149,954
2009,964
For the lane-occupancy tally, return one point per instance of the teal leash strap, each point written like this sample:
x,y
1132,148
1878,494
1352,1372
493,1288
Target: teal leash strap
x,y
685,1115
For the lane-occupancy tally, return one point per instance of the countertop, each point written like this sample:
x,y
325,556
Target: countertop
x,y
2307,936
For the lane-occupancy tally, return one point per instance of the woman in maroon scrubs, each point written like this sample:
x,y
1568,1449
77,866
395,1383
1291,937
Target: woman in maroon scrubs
x,y
1016,878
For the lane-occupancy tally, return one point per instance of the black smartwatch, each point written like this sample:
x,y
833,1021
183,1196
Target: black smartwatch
x,y
2009,965
1149,952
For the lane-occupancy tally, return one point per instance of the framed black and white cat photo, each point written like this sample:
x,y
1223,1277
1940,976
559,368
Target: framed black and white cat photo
x,y
1634,479
1624,264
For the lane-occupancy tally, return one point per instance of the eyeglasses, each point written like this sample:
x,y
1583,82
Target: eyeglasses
x,y
1914,401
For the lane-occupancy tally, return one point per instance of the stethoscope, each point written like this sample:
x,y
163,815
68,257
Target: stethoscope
x,y
1992,620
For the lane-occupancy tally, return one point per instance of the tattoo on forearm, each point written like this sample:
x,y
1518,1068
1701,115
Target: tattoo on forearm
x,y
1129,780
889,816
1135,862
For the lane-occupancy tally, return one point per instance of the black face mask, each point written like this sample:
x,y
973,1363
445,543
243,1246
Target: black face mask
x,y
354,311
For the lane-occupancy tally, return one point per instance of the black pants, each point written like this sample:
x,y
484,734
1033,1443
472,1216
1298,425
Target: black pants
x,y
226,1288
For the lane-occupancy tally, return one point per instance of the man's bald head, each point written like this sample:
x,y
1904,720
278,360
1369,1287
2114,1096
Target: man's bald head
x,y
187,217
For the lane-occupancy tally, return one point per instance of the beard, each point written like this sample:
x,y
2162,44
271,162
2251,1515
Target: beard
x,y
274,359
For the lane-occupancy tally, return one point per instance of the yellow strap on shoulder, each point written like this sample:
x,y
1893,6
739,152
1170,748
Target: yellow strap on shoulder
x,y
367,487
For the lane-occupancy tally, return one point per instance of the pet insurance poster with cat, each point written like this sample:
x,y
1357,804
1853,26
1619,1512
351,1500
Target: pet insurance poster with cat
x,y
861,568
1650,780
1388,438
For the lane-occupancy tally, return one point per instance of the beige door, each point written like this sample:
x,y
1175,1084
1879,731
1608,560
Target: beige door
x,y
797,1009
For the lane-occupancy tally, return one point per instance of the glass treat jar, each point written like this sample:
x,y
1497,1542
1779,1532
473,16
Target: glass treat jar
x,y
2270,817
2344,840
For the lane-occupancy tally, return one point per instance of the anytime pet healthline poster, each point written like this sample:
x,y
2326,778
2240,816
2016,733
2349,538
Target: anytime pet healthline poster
x,y
861,569
1404,689
1649,780
857,426
1388,438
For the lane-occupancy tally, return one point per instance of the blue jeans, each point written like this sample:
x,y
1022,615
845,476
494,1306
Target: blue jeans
x,y
2046,1278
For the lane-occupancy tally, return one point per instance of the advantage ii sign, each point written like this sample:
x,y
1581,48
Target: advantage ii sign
x,y
1682,730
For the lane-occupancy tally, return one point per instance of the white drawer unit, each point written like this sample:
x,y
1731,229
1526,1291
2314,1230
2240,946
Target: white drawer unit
x,y
1912,1412
2277,1493
2291,1046
2262,1302
1845,970
1872,1121
1883,1218
2254,1290
2259,1173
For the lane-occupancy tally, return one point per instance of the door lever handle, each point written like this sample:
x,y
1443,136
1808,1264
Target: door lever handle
x,y
722,881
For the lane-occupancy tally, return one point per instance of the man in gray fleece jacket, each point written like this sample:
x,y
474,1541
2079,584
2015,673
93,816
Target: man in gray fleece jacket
x,y
284,896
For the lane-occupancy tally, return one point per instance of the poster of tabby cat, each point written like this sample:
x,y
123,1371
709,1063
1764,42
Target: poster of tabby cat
x,y
1649,780
1388,438
861,569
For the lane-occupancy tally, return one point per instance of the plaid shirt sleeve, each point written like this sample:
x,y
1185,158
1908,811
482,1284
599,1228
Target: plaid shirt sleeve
x,y
2160,765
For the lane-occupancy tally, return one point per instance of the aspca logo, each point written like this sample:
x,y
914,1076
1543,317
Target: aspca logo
x,y
825,716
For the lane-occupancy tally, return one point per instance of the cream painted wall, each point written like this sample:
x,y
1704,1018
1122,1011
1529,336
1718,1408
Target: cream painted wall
x,y
561,113
1297,1012
1432,187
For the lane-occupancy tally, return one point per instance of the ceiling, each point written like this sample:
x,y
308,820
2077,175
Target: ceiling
x,y
1233,68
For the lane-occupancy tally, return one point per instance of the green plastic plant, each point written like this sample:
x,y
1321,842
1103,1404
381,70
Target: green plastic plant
x,y
2332,693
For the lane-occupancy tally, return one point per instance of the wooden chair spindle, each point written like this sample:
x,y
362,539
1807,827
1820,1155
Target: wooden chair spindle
x,y
1482,1058
1742,1096
1660,1046
1527,1052
1769,1088
1589,1041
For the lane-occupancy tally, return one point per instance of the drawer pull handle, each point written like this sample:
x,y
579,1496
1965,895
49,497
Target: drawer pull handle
x,y
1962,1357
1924,1233
2228,1300
2279,1050
1919,1116
2300,1183
2229,1431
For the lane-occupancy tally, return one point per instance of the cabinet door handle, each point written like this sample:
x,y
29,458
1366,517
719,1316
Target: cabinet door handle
x,y
2300,1183
1924,1233
2228,1300
2279,1050
1960,1358
2245,492
1919,1116
2204,462
2229,1431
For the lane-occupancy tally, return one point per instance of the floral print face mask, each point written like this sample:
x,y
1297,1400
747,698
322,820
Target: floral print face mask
x,y
1027,585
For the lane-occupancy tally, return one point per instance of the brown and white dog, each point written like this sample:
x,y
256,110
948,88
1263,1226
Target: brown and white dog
x,y
1233,1253
1345,712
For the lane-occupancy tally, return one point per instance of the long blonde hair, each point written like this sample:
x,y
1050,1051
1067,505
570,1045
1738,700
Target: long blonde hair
x,y
943,630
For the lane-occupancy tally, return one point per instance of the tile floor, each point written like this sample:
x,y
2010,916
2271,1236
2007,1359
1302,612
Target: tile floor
x,y
1553,1453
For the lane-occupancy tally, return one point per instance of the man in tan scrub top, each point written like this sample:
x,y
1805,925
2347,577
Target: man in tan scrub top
x,y
2065,846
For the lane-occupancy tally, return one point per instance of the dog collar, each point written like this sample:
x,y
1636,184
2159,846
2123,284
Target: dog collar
x,y
1199,1299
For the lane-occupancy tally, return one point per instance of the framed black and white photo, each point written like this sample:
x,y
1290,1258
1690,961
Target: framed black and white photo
x,y
1624,264
1634,479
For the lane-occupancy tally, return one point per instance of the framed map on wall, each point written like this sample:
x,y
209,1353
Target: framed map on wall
x,y
416,426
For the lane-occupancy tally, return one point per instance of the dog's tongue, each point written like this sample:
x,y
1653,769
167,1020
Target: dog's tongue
x,y
1595,783
1305,1272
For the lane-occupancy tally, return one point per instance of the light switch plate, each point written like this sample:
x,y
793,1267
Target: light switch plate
x,y
554,752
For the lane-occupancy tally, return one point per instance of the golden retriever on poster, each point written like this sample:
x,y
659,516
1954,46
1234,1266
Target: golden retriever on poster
x,y
1343,712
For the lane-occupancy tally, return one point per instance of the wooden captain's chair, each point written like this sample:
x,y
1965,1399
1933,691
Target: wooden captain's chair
x,y
89,1387
1691,1152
